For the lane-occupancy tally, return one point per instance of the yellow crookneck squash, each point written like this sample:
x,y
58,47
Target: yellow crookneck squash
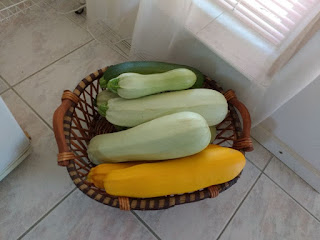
x,y
214,165
98,173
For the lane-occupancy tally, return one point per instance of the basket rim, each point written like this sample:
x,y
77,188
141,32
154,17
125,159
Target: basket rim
x,y
156,203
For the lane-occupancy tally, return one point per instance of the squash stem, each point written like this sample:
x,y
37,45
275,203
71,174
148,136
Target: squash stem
x,y
113,85
103,82
102,109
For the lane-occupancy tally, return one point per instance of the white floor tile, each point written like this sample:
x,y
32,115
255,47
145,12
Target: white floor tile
x,y
37,184
259,156
79,217
269,213
295,186
3,86
79,19
64,74
202,220
36,39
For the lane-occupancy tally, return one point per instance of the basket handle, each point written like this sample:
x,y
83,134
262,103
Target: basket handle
x,y
65,154
244,142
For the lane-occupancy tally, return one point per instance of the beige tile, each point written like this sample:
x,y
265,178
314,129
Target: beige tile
x,y
64,74
259,156
37,184
64,7
3,86
269,213
204,219
36,39
79,19
295,186
79,217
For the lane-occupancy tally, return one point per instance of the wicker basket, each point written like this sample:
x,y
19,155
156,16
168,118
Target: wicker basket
x,y
76,121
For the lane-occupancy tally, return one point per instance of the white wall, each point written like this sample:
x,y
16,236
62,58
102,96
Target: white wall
x,y
296,123
292,134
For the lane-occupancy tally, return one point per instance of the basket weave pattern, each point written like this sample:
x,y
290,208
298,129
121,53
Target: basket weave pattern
x,y
81,122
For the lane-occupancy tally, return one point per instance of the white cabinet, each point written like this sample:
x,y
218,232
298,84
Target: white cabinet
x,y
14,145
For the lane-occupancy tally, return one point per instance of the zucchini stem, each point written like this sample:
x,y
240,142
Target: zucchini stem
x,y
102,109
113,85
103,83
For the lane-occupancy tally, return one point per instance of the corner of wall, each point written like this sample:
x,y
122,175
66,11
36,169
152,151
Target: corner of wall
x,y
287,155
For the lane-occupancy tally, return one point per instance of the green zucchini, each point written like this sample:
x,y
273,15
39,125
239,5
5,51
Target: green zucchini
x,y
210,104
171,136
146,67
135,85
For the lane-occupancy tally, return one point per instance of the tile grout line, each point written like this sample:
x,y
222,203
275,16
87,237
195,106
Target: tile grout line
x,y
242,201
252,163
6,82
278,159
32,109
257,165
264,173
264,168
14,85
318,220
71,19
5,90
262,145
145,224
235,212
46,214
111,46
272,155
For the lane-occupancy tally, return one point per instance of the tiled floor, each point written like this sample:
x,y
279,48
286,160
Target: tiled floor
x,y
43,53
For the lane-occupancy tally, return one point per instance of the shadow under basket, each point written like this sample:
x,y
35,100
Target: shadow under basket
x,y
76,121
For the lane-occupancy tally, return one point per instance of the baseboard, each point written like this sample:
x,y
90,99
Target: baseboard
x,y
288,156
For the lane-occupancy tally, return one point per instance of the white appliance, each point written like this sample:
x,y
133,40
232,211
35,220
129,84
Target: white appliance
x,y
14,144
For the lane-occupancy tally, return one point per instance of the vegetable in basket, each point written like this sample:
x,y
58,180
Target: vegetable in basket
x,y
146,67
97,174
135,85
102,100
214,165
172,136
213,132
210,104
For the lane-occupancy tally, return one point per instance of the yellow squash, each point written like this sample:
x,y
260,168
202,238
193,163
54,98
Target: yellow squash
x,y
98,173
213,165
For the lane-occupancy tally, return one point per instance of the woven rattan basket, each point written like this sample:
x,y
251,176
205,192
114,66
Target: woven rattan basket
x,y
76,121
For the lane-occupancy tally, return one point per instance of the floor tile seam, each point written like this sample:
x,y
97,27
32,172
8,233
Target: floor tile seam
x,y
46,214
